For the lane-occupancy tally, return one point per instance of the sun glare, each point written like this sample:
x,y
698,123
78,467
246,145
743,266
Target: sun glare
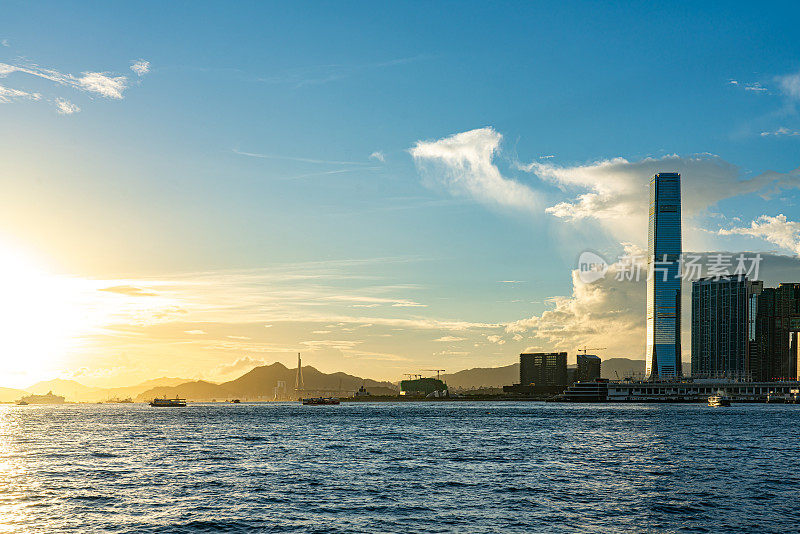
x,y
40,318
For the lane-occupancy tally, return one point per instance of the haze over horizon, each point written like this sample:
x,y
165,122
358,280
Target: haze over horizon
x,y
195,200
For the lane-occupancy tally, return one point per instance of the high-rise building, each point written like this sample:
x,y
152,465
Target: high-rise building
x,y
723,326
543,369
588,368
777,326
664,282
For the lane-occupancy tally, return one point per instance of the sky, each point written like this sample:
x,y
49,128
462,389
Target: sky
x,y
192,189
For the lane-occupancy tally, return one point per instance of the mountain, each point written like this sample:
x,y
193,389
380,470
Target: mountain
x,y
482,377
261,383
77,392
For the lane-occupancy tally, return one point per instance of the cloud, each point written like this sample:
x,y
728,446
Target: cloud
x,y
245,362
608,311
614,191
754,87
5,42
8,95
378,155
777,230
132,291
464,164
239,337
790,85
302,160
496,339
65,107
140,67
780,132
450,339
195,332
103,84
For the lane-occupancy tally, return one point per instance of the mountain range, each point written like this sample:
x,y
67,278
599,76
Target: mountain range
x,y
268,382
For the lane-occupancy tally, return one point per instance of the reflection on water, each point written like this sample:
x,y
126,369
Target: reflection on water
x,y
411,467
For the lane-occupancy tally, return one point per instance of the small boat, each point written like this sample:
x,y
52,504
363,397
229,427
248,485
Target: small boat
x,y
319,401
719,400
21,403
172,403
236,401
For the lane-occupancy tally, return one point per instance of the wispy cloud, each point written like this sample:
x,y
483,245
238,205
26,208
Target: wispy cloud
x,y
65,107
777,230
790,85
378,155
464,163
8,95
303,160
781,132
104,84
755,87
140,67
5,42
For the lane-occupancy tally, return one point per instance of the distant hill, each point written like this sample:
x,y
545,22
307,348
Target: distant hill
x,y
483,377
76,392
260,383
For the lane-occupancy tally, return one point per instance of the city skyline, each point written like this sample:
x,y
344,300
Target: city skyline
x,y
198,203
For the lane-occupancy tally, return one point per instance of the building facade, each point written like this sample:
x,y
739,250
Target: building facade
x,y
543,368
723,326
776,353
663,357
588,368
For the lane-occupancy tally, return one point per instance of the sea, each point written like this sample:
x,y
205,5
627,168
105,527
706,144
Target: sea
x,y
413,467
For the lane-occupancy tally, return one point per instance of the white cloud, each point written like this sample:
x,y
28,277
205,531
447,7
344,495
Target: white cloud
x,y
608,311
378,155
5,42
614,191
464,164
65,107
195,332
449,339
755,86
790,85
777,230
496,339
780,132
103,84
140,67
8,95
100,83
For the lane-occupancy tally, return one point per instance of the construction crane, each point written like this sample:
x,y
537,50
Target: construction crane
x,y
585,349
437,371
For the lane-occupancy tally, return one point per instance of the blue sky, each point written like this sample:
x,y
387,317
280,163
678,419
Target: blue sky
x,y
267,137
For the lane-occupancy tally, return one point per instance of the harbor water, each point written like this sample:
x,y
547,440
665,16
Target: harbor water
x,y
400,467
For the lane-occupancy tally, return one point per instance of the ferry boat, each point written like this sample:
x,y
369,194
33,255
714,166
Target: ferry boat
x,y
319,401
171,403
719,400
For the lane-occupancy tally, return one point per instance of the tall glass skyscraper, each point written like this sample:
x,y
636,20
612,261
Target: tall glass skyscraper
x,y
664,283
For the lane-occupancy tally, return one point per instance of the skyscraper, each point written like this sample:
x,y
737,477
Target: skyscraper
x,y
777,328
723,326
664,283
